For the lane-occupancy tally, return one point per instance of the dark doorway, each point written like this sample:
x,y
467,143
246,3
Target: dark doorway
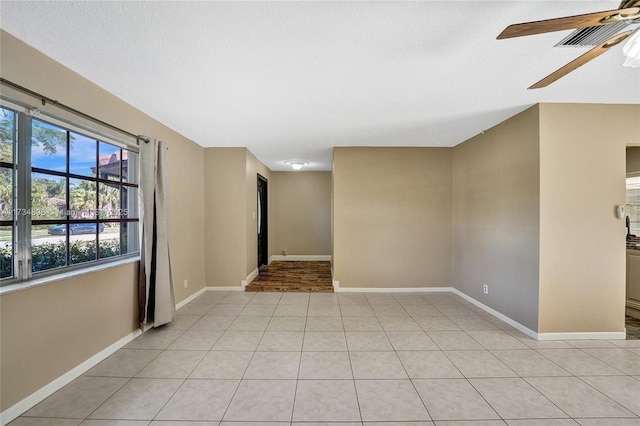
x,y
263,223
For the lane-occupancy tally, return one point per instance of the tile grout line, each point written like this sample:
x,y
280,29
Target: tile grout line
x,y
386,332
187,376
295,390
608,363
605,395
130,379
243,373
353,376
413,385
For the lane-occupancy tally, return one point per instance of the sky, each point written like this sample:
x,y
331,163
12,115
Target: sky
x,y
82,155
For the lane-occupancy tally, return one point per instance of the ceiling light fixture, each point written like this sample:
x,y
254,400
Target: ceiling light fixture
x,y
296,164
631,50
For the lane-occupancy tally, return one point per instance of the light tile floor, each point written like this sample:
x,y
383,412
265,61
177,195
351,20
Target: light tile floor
x,y
348,358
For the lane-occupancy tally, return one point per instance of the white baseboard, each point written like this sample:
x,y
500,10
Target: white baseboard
x,y
613,335
511,322
389,290
190,298
29,402
533,334
249,278
307,257
225,288
482,306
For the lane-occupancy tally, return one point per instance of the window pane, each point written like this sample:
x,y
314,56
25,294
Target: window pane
x,y
110,240
7,134
48,146
82,155
130,169
6,251
82,199
82,243
48,251
129,202
109,167
130,243
48,196
6,193
109,201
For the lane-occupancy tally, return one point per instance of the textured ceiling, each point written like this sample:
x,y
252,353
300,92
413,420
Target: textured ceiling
x,y
291,80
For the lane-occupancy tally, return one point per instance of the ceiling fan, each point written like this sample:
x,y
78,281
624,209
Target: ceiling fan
x,y
627,13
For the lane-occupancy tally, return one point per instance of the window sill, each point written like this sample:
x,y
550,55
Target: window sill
x,y
25,285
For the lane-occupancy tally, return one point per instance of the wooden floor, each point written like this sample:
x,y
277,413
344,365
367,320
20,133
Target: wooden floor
x,y
301,276
633,328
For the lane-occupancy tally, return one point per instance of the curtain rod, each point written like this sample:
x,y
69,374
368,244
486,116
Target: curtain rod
x,y
45,100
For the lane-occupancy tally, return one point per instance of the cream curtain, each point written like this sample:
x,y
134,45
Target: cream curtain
x,y
156,301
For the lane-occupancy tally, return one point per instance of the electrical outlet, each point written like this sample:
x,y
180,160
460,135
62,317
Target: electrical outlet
x,y
186,283
485,289
284,252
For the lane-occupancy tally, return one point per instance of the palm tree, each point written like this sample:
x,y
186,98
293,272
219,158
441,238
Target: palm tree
x,y
6,193
82,198
6,135
109,200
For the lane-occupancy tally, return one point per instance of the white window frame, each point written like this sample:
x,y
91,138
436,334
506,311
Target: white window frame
x,y
22,270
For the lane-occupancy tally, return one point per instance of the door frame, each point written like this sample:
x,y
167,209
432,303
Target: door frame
x,y
263,216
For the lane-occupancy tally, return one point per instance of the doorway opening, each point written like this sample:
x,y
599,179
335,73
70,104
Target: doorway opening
x,y
263,222
631,214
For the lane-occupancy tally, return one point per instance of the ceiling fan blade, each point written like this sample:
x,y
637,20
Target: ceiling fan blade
x,y
568,22
581,60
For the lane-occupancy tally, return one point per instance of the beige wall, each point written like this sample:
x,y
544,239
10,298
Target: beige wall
x,y
556,171
582,252
186,162
392,217
301,204
225,210
533,216
50,329
496,217
231,239
25,66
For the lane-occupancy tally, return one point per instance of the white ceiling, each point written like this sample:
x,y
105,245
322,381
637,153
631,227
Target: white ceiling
x,y
291,80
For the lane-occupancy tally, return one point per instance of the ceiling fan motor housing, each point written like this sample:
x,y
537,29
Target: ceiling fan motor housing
x,y
594,36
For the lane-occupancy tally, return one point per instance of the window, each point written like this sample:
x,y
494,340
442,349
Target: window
x,y
72,202
7,179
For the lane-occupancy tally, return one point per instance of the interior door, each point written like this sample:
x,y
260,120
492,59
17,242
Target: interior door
x,y
262,219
